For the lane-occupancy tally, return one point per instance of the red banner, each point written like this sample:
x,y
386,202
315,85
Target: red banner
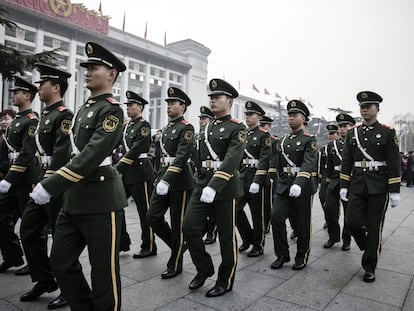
x,y
75,13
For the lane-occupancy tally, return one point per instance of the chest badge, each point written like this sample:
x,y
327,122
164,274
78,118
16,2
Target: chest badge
x,y
378,136
298,143
173,131
221,129
255,138
90,114
47,121
17,124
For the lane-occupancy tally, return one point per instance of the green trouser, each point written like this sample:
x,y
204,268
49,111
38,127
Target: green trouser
x,y
9,241
176,201
141,192
255,235
283,208
34,240
224,212
365,219
100,233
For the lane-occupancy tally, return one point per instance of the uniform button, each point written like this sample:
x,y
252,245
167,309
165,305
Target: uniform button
x,y
366,138
364,169
102,178
86,126
140,163
288,145
211,133
79,119
87,105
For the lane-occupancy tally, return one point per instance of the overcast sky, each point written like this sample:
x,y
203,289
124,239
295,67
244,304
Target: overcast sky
x,y
324,51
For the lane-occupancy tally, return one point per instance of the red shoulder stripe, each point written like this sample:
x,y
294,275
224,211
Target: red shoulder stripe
x,y
31,116
387,126
185,122
61,108
112,100
235,121
308,134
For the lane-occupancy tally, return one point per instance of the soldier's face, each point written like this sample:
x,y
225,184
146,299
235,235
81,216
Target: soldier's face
x,y
19,98
368,111
99,76
333,136
175,109
266,126
295,120
46,90
252,119
204,121
343,129
219,103
133,110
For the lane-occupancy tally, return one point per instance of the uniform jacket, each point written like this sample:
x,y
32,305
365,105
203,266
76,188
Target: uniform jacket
x,y
300,148
177,139
90,188
227,138
333,160
137,136
381,143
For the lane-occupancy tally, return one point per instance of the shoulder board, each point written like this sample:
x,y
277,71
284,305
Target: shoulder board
x,y
356,126
308,134
185,122
275,137
142,120
262,130
61,108
387,126
31,116
112,100
235,121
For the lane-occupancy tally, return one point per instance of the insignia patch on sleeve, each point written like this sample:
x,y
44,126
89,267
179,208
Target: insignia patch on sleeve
x,y
32,131
313,145
242,136
65,126
188,135
110,123
396,140
145,131
268,141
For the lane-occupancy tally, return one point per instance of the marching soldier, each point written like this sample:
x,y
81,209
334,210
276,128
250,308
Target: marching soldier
x,y
333,168
270,188
94,197
24,170
206,115
253,173
136,168
53,147
297,160
217,188
322,156
370,176
175,180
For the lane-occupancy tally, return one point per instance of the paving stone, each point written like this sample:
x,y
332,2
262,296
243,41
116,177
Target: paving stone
x,y
389,288
271,304
5,305
344,302
396,261
185,305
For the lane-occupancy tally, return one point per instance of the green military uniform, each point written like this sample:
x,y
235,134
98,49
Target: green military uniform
x,y
53,147
333,168
253,169
270,188
369,182
322,155
177,144
297,160
137,171
24,171
220,154
93,202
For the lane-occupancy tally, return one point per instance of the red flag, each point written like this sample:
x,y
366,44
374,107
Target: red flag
x,y
100,8
165,38
146,28
277,95
255,88
266,92
123,23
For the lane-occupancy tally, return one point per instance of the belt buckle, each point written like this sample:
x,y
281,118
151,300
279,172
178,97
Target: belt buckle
x,y
208,163
289,170
363,164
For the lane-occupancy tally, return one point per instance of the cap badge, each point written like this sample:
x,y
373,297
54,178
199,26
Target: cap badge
x,y
293,104
249,105
364,95
128,95
213,83
202,109
89,49
341,117
171,91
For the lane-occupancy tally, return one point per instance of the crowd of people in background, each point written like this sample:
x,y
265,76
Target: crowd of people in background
x,y
407,168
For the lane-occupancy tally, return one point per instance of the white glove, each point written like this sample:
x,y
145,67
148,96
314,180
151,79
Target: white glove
x,y
40,195
162,187
4,186
254,188
208,195
394,199
295,191
343,193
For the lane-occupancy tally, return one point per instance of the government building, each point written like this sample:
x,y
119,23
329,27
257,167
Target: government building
x,y
151,68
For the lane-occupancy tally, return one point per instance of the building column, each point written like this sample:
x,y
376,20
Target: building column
x,y
124,84
39,42
3,92
164,95
146,92
70,93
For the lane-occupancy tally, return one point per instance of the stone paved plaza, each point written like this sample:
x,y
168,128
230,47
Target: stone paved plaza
x,y
331,281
